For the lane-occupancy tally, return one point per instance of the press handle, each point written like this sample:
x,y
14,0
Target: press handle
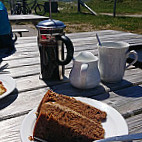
x,y
135,55
70,50
83,74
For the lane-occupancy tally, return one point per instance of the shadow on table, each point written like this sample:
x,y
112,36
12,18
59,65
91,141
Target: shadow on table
x,y
102,92
133,92
6,101
69,90
125,88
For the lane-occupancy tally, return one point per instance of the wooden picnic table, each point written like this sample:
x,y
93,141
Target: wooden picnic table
x,y
24,67
26,18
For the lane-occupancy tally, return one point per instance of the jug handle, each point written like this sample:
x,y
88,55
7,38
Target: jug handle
x,y
70,50
83,74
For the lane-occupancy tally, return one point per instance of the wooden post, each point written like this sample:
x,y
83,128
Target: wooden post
x,y
50,10
79,6
84,5
24,6
114,8
12,6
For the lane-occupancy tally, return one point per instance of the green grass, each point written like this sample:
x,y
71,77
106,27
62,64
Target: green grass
x,y
106,6
122,6
90,22
84,21
79,22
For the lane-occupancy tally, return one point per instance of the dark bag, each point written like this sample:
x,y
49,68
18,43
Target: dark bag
x,y
7,41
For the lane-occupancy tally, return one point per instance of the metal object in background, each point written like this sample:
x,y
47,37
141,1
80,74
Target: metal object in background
x,y
19,7
3,67
114,8
125,138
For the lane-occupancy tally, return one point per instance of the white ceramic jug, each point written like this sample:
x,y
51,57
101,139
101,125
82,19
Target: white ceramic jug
x,y
85,73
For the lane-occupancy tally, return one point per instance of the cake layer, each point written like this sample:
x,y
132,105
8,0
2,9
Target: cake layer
x,y
78,106
57,123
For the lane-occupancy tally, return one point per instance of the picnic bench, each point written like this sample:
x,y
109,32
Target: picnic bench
x,y
24,67
20,31
26,18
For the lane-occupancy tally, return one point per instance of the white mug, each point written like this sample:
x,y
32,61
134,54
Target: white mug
x,y
112,60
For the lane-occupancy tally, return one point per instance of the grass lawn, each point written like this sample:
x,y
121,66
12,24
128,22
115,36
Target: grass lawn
x,y
84,21
77,22
122,6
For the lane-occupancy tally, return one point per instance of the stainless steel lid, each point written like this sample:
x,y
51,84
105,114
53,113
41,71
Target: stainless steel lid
x,y
51,23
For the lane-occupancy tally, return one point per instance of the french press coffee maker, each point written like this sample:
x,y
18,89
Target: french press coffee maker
x,y
51,43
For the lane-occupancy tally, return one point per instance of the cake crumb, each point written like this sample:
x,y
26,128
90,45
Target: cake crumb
x,y
30,138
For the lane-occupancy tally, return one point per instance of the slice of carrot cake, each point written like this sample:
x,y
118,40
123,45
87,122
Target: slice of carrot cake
x,y
59,123
78,106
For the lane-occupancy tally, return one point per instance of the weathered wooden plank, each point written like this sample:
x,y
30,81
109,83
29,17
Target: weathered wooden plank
x,y
26,39
106,34
17,103
31,72
132,39
24,71
19,31
28,17
80,44
25,68
25,101
32,44
35,69
29,69
20,55
31,58
126,101
33,82
28,47
135,124
34,96
28,83
23,62
68,89
10,129
23,41
86,34
115,35
101,33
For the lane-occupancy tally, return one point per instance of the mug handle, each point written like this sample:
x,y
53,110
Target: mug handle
x,y
70,50
83,74
136,57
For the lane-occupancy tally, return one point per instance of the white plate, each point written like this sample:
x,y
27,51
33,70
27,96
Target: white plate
x,y
9,84
114,125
